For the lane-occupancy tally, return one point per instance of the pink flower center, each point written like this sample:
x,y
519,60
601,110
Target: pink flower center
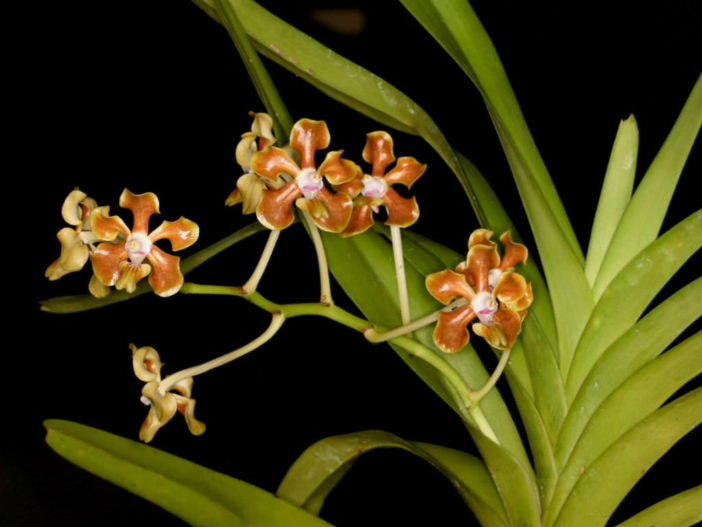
x,y
309,183
484,305
138,246
374,186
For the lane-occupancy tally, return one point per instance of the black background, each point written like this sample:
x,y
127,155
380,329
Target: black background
x,y
152,96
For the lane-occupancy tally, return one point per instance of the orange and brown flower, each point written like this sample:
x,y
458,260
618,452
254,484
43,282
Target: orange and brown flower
x,y
120,261
496,296
163,403
330,211
371,191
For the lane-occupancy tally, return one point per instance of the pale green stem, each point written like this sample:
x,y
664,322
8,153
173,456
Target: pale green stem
x,y
482,423
325,296
372,335
252,283
477,395
396,235
276,322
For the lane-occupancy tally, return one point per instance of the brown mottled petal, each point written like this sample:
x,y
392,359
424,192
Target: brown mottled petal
x,y
97,288
481,237
481,258
146,363
524,302
271,162
181,233
338,206
74,254
361,220
143,206
106,260
130,274
406,172
162,410
510,287
106,227
353,188
166,279
306,137
514,252
378,151
275,208
451,331
245,149
447,285
338,170
402,212
71,210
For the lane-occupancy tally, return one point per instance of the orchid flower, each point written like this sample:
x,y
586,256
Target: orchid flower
x,y
163,403
330,211
121,263
373,190
250,186
496,295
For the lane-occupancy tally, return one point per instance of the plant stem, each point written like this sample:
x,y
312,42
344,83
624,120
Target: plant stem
x,y
477,395
325,296
276,323
399,256
252,283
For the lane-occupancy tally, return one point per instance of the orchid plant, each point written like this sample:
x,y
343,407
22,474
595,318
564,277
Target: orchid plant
x,y
590,370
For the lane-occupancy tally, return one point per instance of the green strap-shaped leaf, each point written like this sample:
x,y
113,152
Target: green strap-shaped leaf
x,y
196,494
638,397
630,292
644,215
320,467
614,196
604,483
638,346
456,28
76,303
680,510
341,79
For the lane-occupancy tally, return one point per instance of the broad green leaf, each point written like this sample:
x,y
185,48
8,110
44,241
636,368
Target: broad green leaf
x,y
76,303
614,196
605,482
638,346
644,215
630,292
680,510
320,467
340,79
196,494
638,397
456,28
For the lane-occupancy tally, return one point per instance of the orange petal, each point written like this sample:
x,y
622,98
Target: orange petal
x,y
447,285
406,171
524,302
306,137
462,268
272,162
338,170
106,260
338,208
514,252
353,188
106,227
451,331
402,212
481,237
510,287
504,330
130,274
233,198
143,206
361,220
481,258
378,152
166,278
182,233
275,208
